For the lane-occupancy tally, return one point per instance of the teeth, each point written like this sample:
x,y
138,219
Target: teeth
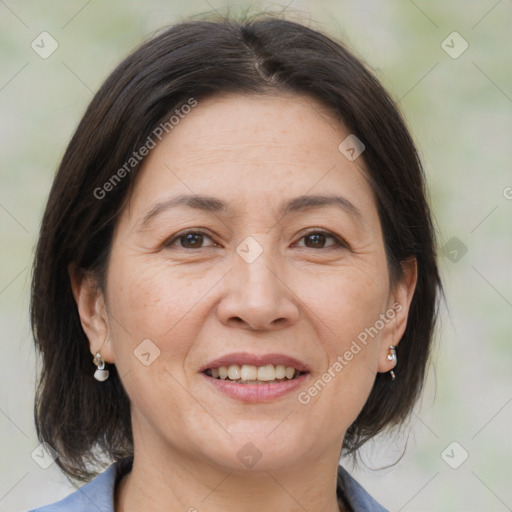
x,y
249,373
280,371
267,372
234,372
289,372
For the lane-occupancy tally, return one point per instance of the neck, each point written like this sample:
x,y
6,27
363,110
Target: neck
x,y
159,482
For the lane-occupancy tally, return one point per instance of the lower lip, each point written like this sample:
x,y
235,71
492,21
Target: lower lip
x,y
256,392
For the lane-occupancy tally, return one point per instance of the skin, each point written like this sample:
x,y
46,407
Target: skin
x,y
302,298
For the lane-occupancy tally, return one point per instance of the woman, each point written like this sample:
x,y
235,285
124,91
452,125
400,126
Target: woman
x,y
235,280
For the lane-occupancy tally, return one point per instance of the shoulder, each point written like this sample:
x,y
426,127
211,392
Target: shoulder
x,y
353,493
95,496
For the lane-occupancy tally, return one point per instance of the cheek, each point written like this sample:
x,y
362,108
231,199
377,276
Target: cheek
x,y
340,306
151,314
349,306
151,296
151,299
348,301
338,393
145,304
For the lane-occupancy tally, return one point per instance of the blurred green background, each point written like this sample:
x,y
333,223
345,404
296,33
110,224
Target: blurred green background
x,y
458,104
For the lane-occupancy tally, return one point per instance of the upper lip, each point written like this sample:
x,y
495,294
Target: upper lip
x,y
242,358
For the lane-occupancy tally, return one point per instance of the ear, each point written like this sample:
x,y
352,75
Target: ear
x,y
399,302
92,311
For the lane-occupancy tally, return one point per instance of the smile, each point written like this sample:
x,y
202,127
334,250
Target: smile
x,y
250,374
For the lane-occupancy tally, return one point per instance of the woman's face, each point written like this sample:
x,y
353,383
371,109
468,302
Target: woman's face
x,y
245,268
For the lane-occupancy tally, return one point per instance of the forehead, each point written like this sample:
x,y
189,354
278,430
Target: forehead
x,y
253,151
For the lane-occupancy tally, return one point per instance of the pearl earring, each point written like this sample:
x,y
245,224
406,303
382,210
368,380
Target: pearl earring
x,y
392,357
100,374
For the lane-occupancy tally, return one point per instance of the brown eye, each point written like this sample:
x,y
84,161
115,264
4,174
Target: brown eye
x,y
192,240
318,239
189,240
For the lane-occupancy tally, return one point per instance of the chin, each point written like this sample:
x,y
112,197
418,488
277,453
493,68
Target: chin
x,y
261,447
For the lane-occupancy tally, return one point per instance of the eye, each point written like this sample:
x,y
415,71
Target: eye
x,y
317,240
192,239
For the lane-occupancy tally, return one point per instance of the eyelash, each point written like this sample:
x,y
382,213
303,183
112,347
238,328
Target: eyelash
x,y
339,242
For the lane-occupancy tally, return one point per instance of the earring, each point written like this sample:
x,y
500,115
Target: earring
x,y
392,357
100,374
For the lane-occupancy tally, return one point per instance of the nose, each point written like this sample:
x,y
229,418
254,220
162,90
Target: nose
x,y
257,297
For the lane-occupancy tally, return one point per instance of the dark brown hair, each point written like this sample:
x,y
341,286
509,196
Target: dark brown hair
x,y
88,422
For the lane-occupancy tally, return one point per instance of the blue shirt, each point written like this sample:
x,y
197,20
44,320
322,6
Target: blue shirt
x,y
98,494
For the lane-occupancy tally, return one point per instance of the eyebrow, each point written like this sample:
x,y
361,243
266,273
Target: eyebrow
x,y
217,206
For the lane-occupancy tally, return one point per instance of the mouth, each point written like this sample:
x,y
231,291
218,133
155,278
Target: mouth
x,y
255,378
251,374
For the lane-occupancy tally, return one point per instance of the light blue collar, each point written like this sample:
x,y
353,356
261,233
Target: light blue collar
x,y
98,494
